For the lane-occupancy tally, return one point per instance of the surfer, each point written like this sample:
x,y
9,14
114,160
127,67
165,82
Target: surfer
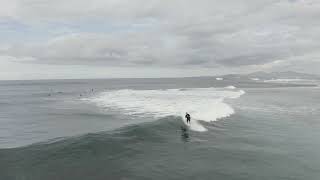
x,y
188,117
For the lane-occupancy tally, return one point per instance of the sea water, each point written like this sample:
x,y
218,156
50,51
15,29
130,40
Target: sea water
x,y
135,129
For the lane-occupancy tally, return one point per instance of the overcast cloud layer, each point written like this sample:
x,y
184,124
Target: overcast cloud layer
x,y
201,37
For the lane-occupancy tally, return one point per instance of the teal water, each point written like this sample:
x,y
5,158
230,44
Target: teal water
x,y
273,134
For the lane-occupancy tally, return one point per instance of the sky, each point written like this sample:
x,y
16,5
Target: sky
x,y
67,39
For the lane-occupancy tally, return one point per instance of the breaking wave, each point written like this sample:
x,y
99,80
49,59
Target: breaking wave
x,y
230,87
204,104
289,80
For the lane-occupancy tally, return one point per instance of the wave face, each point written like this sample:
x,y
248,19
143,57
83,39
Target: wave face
x,y
205,104
96,156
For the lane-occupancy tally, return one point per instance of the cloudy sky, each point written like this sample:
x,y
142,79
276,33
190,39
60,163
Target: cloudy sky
x,y
42,39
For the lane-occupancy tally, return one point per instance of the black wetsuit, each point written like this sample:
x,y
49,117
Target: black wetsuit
x,y
188,118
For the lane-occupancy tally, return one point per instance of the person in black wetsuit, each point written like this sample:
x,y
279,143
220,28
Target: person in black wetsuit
x,y
188,117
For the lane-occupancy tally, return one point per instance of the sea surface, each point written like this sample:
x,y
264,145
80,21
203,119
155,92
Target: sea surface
x,y
109,129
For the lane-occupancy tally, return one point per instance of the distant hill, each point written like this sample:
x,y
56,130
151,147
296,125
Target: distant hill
x,y
273,75
282,75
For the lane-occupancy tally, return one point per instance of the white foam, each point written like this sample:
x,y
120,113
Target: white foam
x,y
230,87
287,80
255,79
219,79
205,104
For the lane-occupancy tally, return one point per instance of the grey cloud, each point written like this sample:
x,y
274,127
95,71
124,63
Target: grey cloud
x,y
208,33
196,62
248,59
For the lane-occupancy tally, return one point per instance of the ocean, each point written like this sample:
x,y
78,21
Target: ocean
x,y
109,129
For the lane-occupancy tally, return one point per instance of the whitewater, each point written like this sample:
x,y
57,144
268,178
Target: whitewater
x,y
204,104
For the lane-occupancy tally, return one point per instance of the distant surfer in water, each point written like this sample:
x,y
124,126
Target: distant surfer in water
x,y
188,117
